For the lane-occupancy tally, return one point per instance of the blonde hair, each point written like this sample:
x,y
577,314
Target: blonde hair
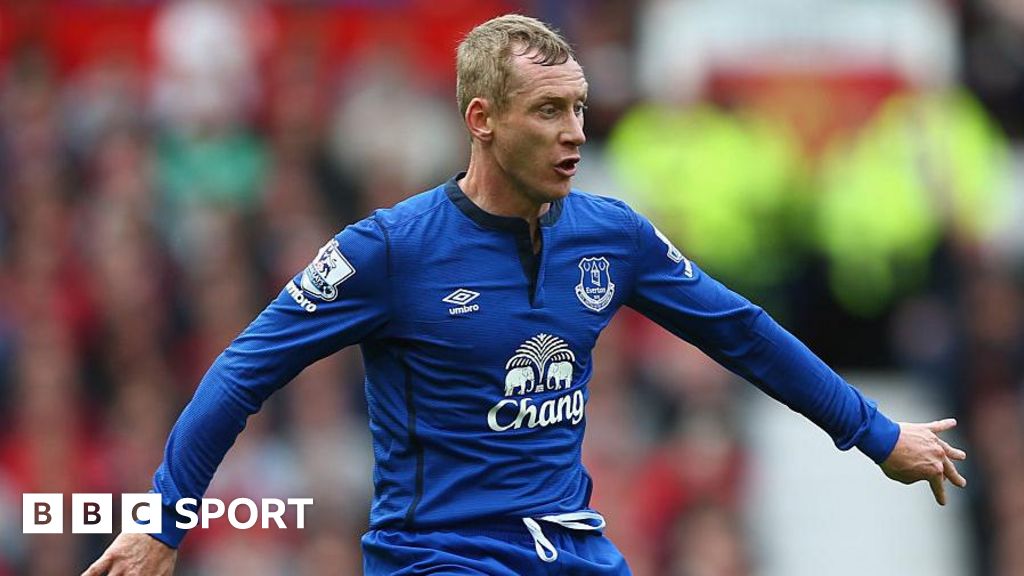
x,y
483,63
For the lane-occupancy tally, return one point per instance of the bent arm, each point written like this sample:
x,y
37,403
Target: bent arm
x,y
340,299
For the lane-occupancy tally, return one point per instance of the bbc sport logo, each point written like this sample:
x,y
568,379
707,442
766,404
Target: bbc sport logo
x,y
141,513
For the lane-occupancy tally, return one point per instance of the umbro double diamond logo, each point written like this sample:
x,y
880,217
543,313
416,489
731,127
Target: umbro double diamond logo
x,y
461,299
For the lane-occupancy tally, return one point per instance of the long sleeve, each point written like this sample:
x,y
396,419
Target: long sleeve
x,y
673,292
340,299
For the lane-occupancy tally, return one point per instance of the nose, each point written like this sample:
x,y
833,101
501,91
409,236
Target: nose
x,y
573,133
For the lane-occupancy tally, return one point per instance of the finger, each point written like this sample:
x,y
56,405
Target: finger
x,y
951,452
942,425
938,489
98,567
950,471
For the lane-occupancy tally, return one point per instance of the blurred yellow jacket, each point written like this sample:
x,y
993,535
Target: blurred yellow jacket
x,y
925,165
727,188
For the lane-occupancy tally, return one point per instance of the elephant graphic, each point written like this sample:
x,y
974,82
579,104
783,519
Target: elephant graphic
x,y
561,373
517,379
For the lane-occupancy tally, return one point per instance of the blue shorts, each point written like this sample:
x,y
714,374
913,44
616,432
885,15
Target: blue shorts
x,y
507,550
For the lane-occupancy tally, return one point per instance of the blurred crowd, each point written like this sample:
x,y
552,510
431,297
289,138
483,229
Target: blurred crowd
x,y
165,167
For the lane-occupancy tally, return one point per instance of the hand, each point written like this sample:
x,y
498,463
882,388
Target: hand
x,y
135,555
921,455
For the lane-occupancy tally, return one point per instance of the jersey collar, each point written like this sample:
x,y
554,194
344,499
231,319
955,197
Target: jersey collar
x,y
488,220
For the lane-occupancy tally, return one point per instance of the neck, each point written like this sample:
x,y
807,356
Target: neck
x,y
492,192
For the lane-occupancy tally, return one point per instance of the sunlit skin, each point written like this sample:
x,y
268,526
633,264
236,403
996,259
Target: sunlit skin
x,y
524,157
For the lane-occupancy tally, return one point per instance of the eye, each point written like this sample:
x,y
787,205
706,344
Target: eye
x,y
549,110
579,108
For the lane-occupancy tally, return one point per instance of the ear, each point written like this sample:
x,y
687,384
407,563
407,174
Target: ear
x,y
480,119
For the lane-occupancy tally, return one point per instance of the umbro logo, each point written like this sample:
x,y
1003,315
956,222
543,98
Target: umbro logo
x,y
461,298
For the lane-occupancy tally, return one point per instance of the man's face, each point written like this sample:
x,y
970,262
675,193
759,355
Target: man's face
x,y
538,135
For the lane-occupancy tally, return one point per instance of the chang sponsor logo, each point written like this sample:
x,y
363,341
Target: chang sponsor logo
x,y
512,414
544,363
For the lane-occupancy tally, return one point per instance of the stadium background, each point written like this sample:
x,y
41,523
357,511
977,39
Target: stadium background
x,y
853,166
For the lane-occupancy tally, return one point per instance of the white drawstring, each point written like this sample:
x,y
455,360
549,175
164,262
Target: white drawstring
x,y
572,520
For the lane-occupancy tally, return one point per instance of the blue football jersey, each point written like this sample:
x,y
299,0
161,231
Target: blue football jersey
x,y
478,352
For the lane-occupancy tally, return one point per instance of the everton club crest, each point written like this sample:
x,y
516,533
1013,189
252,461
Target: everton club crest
x,y
596,288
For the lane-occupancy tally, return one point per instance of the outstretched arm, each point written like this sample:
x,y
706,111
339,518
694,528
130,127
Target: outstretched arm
x,y
676,294
920,454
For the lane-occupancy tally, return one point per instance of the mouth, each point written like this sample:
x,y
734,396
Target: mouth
x,y
567,167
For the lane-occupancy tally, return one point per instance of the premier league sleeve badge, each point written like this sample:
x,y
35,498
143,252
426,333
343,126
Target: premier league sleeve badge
x,y
329,269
